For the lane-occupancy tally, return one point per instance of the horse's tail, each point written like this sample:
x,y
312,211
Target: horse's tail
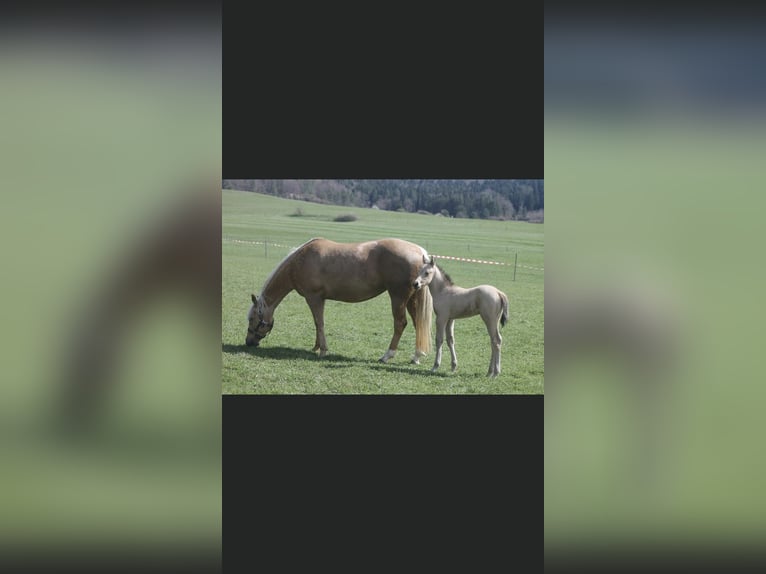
x,y
504,316
424,313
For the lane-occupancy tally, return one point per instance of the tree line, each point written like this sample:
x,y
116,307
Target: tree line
x,y
521,199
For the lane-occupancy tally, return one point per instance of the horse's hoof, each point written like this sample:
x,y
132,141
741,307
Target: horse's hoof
x,y
387,356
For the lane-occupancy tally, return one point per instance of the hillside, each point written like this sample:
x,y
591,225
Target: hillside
x,y
506,199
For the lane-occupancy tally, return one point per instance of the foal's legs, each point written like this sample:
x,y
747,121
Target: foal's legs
x,y
399,310
441,327
496,341
451,342
316,304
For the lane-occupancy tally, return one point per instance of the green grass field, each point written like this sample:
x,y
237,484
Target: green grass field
x,y
640,200
359,333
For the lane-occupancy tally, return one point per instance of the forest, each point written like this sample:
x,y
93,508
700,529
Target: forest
x,y
517,199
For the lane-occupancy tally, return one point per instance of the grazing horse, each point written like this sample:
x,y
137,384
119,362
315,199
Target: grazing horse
x,y
452,302
321,269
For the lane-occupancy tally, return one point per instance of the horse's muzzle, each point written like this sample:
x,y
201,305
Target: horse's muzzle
x,y
254,337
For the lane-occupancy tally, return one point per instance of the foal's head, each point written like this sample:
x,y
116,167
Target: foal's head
x,y
260,321
426,273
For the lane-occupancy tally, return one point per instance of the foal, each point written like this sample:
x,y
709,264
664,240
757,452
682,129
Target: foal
x,y
452,302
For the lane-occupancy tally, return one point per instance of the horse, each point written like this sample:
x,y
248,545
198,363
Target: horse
x,y
321,269
452,302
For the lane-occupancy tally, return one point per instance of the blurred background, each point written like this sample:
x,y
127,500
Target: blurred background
x,y
110,148
654,147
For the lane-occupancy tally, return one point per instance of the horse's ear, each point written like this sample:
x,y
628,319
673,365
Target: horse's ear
x,y
425,259
254,298
432,262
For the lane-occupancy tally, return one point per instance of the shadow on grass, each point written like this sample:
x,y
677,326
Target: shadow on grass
x,y
331,360
408,370
287,353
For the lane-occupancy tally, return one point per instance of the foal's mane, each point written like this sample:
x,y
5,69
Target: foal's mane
x,y
447,278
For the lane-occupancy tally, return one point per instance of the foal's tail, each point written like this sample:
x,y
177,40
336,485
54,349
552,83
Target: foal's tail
x,y
424,313
504,316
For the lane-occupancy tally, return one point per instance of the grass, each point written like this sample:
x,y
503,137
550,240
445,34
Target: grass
x,y
259,230
107,161
641,198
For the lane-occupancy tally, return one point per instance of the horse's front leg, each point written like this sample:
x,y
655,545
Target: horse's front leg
x,y
440,330
399,310
316,304
451,343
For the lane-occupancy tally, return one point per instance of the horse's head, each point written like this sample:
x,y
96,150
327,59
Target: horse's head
x,y
260,321
426,273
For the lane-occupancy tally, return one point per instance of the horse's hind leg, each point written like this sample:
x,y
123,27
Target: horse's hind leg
x,y
496,341
399,310
412,308
316,304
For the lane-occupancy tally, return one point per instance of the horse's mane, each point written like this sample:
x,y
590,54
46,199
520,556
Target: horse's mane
x,y
281,264
447,278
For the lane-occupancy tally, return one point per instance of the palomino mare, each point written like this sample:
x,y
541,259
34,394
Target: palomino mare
x,y
321,269
452,302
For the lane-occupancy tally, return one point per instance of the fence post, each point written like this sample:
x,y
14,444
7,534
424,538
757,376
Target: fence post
x,y
515,259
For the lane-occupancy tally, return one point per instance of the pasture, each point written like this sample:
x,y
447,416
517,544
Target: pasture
x,y
358,333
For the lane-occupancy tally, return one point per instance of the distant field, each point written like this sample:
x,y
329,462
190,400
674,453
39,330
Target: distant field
x,y
359,333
